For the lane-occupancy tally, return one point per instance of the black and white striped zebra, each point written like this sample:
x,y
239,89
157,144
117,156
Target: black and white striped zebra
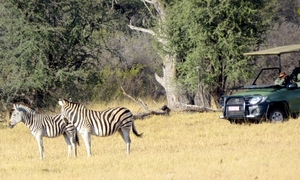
x,y
99,123
45,126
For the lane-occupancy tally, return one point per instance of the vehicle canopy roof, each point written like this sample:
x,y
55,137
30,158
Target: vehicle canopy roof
x,y
276,51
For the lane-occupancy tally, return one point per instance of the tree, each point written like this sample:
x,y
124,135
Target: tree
x,y
78,49
49,46
157,11
202,44
45,49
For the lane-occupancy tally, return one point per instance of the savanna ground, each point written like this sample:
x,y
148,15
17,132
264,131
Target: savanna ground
x,y
180,146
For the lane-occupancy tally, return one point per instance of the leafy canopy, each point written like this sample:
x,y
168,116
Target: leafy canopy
x,y
209,37
46,48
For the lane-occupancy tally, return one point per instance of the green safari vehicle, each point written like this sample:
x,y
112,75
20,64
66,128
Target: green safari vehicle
x,y
263,100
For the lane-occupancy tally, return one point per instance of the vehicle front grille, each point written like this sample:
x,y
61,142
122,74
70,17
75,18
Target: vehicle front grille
x,y
235,107
236,101
240,114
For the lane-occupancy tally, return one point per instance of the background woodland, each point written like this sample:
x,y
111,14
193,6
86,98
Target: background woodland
x,y
88,50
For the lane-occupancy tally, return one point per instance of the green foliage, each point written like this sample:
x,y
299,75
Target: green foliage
x,y
45,48
209,37
51,49
132,80
72,48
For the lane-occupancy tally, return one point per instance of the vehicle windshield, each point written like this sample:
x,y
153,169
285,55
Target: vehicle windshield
x,y
267,76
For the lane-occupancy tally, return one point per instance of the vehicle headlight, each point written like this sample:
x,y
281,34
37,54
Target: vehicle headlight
x,y
257,99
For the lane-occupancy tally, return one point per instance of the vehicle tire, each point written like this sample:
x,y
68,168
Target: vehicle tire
x,y
276,115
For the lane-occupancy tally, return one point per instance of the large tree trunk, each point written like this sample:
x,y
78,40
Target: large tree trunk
x,y
202,97
176,98
167,81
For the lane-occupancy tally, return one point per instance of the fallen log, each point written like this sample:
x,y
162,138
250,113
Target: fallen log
x,y
195,108
165,110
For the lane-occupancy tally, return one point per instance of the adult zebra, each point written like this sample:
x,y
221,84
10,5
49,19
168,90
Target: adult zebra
x,y
45,126
99,123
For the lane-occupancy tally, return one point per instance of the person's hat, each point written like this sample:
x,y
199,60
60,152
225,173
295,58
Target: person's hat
x,y
282,74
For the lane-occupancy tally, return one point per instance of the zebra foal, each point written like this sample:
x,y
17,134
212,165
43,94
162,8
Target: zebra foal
x,y
45,126
99,123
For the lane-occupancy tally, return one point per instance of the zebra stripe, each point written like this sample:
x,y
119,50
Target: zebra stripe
x,y
99,123
45,126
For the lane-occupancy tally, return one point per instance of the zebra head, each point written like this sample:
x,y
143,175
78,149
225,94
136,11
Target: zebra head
x,y
16,114
63,103
70,110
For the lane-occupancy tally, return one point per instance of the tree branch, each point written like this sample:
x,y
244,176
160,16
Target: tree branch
x,y
188,107
149,31
163,111
157,5
149,9
140,102
159,80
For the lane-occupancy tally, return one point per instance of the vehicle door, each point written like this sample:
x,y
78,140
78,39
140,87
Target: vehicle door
x,y
293,97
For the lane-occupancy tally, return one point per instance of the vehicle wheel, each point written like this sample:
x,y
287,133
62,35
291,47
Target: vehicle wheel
x,y
276,115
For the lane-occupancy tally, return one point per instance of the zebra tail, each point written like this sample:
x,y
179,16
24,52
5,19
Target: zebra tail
x,y
135,131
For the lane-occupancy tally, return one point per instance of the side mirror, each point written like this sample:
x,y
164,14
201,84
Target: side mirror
x,y
292,86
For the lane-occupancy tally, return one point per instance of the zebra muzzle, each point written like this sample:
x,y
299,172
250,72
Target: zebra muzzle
x,y
10,125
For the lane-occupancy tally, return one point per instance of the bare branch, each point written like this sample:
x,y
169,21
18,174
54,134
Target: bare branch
x,y
188,107
146,114
158,7
149,31
159,80
149,9
163,111
140,102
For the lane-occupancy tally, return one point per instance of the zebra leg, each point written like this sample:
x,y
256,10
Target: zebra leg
x,y
86,136
74,141
39,140
68,141
121,133
71,134
125,135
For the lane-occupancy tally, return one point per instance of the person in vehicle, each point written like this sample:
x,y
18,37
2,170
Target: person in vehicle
x,y
283,79
295,72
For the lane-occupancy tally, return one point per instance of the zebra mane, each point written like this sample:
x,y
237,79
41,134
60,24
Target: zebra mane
x,y
21,107
75,103
70,101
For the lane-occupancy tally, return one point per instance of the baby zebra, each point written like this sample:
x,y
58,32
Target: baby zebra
x,y
45,126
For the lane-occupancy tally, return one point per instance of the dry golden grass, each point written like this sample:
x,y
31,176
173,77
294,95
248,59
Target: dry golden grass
x,y
181,146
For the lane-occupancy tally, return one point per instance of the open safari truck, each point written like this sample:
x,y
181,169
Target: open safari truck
x,y
263,100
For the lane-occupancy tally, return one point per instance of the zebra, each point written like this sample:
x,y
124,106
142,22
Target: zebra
x,y
45,126
99,123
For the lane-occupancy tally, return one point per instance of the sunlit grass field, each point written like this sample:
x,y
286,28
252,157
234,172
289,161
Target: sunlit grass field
x,y
179,146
